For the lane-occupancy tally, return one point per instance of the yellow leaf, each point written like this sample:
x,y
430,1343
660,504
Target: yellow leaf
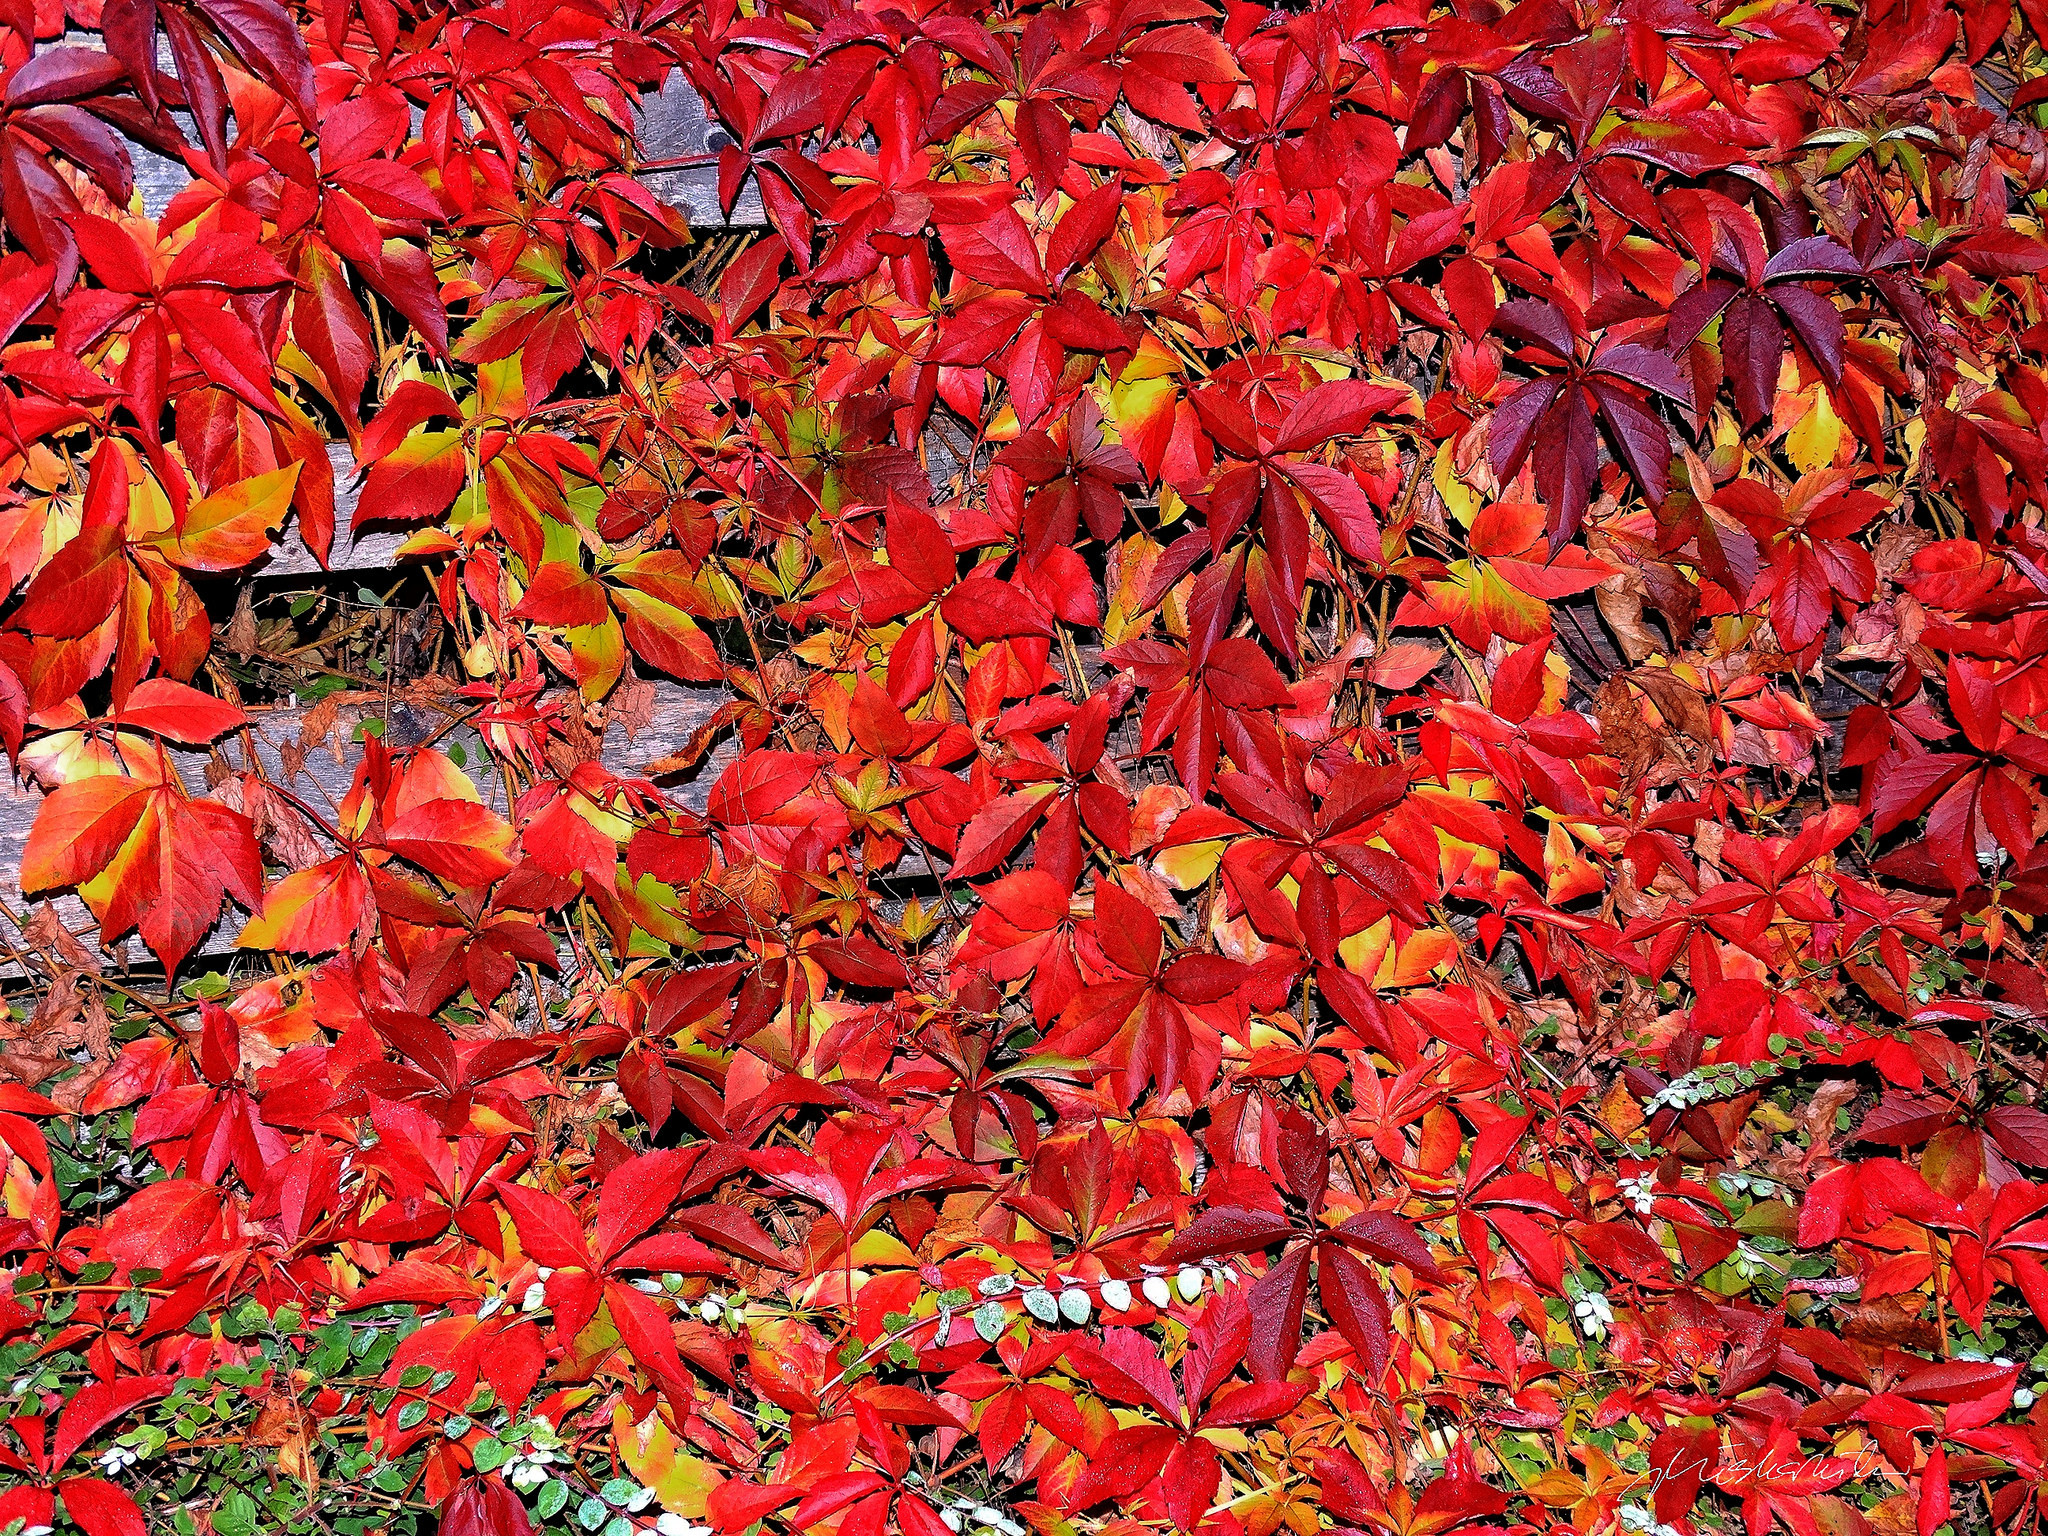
x,y
651,1452
232,526
1425,952
600,654
1189,865
1457,495
1816,437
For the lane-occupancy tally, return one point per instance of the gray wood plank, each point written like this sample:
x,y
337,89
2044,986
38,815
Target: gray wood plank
x,y
672,126
320,775
375,549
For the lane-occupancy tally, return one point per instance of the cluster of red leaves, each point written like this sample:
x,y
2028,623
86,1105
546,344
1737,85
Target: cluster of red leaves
x,y
1204,997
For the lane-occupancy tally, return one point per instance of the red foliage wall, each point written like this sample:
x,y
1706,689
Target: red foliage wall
x,y
1375,831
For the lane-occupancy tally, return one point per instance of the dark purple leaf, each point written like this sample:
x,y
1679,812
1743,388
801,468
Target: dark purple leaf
x,y
1356,1304
1277,1302
1512,429
1752,346
1390,1240
1817,323
1567,464
1228,1229
1694,310
1642,365
1815,256
1540,324
1640,438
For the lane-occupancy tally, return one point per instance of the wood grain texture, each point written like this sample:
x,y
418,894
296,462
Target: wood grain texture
x,y
374,549
673,125
324,772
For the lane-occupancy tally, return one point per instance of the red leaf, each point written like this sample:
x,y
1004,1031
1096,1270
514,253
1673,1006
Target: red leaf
x,y
178,711
997,249
1682,1458
635,1196
161,1224
1341,408
99,1508
548,1229
96,1405
463,842
995,831
74,593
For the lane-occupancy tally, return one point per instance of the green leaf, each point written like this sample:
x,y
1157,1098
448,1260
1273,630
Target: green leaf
x,y
414,1413
333,1353
244,1319
553,1495
236,1516
1844,157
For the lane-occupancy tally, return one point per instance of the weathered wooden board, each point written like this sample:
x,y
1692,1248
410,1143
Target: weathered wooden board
x,y
673,126
376,549
323,776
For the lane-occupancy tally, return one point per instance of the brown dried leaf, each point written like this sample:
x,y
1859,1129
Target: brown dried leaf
x,y
1816,1116
59,1019
1621,598
1683,710
31,1062
631,706
44,934
1623,730
1890,1321
241,631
